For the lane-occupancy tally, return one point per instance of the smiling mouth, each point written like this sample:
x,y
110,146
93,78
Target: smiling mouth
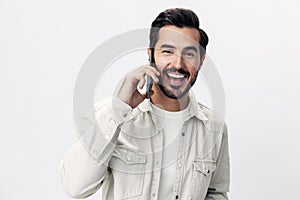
x,y
176,76
175,79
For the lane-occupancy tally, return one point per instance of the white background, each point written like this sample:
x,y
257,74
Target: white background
x,y
254,45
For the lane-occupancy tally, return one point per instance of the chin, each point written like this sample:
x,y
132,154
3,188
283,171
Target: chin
x,y
173,93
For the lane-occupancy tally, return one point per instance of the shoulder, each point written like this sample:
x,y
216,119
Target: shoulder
x,y
215,122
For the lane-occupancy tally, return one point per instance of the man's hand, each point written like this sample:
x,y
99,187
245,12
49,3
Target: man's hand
x,y
129,92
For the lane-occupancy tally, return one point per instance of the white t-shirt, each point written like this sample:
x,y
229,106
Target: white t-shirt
x,y
171,124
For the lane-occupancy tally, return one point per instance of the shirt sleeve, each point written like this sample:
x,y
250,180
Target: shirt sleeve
x,y
220,181
84,167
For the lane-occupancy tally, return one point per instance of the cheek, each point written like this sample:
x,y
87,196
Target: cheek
x,y
192,65
160,66
162,60
193,70
194,74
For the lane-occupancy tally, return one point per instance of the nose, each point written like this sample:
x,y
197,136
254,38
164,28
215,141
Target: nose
x,y
177,61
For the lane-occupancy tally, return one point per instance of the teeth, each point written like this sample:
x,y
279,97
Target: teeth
x,y
176,75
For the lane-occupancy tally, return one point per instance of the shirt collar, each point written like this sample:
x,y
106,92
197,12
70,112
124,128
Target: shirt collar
x,y
195,109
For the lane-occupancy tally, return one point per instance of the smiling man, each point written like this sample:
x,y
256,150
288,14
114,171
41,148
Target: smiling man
x,y
166,147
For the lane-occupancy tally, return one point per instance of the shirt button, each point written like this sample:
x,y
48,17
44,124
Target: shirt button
x,y
153,194
179,165
128,157
176,197
183,134
107,137
125,115
157,162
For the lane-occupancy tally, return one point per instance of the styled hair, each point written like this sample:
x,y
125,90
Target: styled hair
x,y
179,17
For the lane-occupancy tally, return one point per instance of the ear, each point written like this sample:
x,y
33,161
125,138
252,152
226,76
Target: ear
x,y
148,51
202,60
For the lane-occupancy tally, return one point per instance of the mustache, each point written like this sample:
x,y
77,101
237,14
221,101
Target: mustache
x,y
180,71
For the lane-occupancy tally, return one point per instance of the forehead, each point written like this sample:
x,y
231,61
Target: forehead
x,y
179,37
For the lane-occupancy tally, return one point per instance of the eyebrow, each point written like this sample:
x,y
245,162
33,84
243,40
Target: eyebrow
x,y
172,47
167,46
191,48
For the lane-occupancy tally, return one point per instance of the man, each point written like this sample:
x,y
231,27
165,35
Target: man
x,y
165,147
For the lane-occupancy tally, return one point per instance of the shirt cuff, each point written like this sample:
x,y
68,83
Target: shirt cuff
x,y
121,110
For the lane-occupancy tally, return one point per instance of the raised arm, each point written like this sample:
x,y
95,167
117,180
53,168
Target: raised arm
x,y
84,167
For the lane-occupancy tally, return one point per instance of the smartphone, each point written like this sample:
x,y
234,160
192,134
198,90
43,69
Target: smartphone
x,y
149,81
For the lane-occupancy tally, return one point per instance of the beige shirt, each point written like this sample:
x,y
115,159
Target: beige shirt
x,y
121,149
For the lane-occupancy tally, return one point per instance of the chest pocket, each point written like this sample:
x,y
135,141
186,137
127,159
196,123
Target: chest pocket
x,y
202,172
128,171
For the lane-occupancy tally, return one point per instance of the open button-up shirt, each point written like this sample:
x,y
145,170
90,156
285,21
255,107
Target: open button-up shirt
x,y
120,149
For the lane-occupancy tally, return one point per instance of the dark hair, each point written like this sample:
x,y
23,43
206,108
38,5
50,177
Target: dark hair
x,y
179,17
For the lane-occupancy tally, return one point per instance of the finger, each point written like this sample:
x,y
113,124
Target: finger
x,y
149,67
153,69
150,71
139,77
142,82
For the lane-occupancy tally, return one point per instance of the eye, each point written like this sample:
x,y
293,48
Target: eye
x,y
167,52
189,54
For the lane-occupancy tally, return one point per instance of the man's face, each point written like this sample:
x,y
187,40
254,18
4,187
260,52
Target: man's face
x,y
177,57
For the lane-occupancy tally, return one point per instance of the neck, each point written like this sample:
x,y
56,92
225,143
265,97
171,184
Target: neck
x,y
162,101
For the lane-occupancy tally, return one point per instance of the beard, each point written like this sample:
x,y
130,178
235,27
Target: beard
x,y
177,92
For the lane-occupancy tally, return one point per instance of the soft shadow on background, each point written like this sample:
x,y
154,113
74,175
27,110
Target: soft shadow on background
x,y
253,44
